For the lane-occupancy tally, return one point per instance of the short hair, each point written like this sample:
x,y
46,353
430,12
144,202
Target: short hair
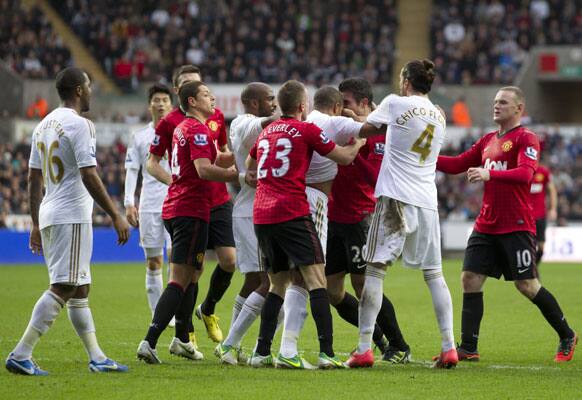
x,y
184,69
253,91
290,96
68,80
420,74
327,97
359,87
188,90
517,92
158,88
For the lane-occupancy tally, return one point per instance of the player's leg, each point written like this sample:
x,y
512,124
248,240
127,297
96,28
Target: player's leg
x,y
295,313
541,240
152,237
520,247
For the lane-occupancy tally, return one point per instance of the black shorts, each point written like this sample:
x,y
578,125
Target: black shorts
x,y
288,244
512,255
541,229
220,228
344,247
189,238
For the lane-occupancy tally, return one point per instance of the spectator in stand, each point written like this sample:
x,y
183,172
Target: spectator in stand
x,y
38,109
460,113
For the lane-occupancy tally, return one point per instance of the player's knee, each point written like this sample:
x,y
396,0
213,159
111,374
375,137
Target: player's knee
x,y
528,287
471,282
154,263
358,284
226,258
336,295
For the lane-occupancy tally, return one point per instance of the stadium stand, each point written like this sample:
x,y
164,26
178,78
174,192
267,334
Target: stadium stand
x,y
28,44
238,41
486,41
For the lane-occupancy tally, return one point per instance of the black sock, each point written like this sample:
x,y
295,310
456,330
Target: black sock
x,y
348,309
219,282
184,313
321,312
388,323
539,255
550,309
269,315
471,320
165,310
194,297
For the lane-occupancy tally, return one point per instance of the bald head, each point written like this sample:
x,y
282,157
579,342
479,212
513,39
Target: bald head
x,y
328,100
258,99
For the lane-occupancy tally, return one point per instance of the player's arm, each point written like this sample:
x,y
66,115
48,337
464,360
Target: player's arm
x,y
156,170
35,183
553,192
131,175
250,177
369,129
95,187
344,155
224,159
461,163
211,172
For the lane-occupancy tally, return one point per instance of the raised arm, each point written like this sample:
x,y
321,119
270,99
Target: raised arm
x,y
344,155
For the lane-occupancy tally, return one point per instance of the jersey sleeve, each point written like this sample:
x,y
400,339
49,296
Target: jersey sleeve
x,y
83,144
132,157
34,161
381,115
200,142
462,162
253,151
222,139
317,139
250,131
163,139
528,151
345,129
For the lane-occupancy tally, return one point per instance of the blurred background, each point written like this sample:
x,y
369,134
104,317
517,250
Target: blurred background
x,y
126,45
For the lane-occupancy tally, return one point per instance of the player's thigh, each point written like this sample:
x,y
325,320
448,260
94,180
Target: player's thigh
x,y
387,233
318,208
422,248
67,251
519,250
336,287
272,258
189,240
247,246
220,232
541,225
314,276
299,240
337,254
483,256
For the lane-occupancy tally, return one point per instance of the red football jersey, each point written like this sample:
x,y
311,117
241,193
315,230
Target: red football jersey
x,y
188,193
506,206
352,198
284,150
163,141
539,184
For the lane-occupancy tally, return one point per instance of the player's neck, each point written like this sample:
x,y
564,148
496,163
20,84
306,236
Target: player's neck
x,y
297,116
196,115
74,105
509,125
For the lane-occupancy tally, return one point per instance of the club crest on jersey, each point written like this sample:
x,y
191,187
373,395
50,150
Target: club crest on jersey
x,y
324,138
539,177
531,152
213,125
156,140
200,139
379,148
506,146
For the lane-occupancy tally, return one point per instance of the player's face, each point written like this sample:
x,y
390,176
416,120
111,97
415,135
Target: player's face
x,y
350,102
267,104
160,105
187,77
204,101
85,94
505,107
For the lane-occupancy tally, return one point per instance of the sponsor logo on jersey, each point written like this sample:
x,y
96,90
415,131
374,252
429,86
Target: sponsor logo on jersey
x,y
92,151
213,125
379,148
506,146
531,152
200,139
324,138
156,140
495,165
536,188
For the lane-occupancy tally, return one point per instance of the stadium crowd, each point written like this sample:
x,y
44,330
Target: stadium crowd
x,y
486,41
28,45
458,200
238,41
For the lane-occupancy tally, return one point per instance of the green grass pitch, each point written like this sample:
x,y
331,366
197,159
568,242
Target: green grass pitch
x,y
517,346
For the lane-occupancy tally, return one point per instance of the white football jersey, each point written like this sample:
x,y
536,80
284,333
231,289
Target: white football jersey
x,y
415,134
244,131
62,143
153,192
340,130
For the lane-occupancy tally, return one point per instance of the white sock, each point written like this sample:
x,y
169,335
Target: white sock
x,y
370,304
236,307
250,311
154,286
44,313
82,320
443,306
295,308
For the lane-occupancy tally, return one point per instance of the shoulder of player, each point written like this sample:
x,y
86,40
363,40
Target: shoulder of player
x,y
143,134
74,125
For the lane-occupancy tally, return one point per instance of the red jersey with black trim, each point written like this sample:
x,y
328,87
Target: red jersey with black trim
x,y
506,205
188,193
539,184
163,141
352,198
284,150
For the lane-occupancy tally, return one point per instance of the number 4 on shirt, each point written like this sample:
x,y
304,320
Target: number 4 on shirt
x,y
423,143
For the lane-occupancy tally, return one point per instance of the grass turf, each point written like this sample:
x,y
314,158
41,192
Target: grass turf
x,y
517,346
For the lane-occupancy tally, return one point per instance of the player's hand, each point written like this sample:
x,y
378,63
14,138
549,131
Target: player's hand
x,y
552,215
131,215
35,242
251,178
122,228
359,142
346,112
478,175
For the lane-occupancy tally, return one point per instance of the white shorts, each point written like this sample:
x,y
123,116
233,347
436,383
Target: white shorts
x,y
67,251
399,228
247,246
153,234
318,208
